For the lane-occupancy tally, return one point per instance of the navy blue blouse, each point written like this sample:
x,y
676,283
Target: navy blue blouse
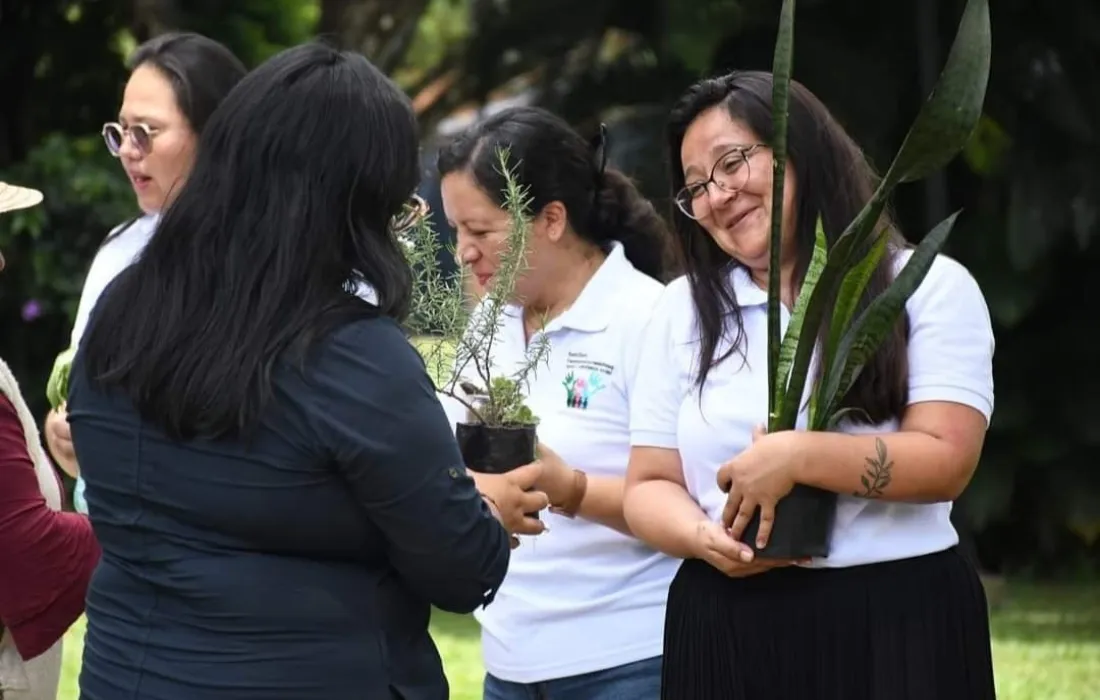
x,y
301,565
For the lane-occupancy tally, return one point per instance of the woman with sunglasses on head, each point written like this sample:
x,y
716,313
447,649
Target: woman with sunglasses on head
x,y
277,491
894,611
46,556
579,615
176,82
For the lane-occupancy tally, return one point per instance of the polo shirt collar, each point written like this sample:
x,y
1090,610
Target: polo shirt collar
x,y
747,292
591,313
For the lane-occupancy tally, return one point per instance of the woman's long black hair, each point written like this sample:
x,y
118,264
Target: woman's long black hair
x,y
833,179
297,177
555,163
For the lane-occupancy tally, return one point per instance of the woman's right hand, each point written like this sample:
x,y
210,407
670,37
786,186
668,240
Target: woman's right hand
x,y
59,440
513,498
714,545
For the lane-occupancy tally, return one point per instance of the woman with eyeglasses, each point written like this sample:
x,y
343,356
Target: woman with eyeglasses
x,y
894,611
46,555
176,81
278,493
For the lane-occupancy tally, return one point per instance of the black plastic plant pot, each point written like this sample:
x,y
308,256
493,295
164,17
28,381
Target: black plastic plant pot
x,y
803,525
496,449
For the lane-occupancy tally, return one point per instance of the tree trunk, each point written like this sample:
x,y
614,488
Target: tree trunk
x,y
153,17
382,30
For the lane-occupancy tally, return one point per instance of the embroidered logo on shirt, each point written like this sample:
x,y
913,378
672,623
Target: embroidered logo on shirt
x,y
579,390
584,379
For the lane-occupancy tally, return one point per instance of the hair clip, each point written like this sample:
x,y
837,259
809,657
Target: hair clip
x,y
599,146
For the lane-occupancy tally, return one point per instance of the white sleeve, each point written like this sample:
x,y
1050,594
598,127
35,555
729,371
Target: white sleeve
x,y
103,270
950,340
634,334
657,391
124,243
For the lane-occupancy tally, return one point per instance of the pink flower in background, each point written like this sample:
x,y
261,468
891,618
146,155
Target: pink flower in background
x,y
32,309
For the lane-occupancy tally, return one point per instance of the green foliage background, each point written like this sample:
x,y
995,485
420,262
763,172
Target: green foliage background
x,y
1028,181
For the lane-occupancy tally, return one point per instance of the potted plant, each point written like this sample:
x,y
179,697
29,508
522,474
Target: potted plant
x,y
837,275
499,433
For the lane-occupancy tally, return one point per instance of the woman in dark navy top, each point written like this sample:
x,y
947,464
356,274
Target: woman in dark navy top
x,y
276,488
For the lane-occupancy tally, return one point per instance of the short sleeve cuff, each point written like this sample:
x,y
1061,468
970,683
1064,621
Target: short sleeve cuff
x,y
955,394
653,438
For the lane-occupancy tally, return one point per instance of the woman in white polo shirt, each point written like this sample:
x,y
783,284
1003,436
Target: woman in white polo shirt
x,y
894,612
580,613
176,81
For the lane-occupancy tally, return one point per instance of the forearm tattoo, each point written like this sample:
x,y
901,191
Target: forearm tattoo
x,y
877,476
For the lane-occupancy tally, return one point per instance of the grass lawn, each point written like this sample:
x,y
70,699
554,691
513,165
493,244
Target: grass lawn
x,y
1046,646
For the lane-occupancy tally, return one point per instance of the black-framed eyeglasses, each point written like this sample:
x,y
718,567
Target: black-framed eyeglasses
x,y
730,173
411,214
141,137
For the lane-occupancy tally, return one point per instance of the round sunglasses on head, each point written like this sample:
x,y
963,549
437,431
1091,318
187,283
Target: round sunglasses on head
x,y
141,137
411,214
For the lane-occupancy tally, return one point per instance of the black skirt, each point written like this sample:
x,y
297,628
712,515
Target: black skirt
x,y
915,629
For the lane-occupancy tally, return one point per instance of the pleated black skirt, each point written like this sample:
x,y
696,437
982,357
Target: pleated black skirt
x,y
915,629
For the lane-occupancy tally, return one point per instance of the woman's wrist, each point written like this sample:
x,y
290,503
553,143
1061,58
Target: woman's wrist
x,y
801,448
494,509
572,495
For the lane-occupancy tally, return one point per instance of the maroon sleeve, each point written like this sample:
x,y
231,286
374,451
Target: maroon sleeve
x,y
46,557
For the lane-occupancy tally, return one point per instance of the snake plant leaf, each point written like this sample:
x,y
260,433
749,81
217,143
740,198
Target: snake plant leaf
x,y
781,83
951,113
824,294
798,315
863,338
939,132
852,288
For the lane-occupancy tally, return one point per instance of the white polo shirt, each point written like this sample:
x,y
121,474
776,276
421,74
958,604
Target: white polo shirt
x,y
950,359
581,597
113,257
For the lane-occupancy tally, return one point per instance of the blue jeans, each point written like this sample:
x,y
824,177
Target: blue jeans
x,y
640,680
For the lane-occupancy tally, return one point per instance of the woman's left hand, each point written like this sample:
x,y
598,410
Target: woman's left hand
x,y
759,476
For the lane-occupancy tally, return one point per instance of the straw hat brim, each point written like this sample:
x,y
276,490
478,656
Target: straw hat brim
x,y
13,197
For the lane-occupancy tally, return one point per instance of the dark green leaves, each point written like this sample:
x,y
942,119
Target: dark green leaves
x,y
869,330
798,316
939,132
952,111
781,83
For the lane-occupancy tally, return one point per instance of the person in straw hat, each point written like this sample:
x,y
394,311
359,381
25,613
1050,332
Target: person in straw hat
x,y
46,556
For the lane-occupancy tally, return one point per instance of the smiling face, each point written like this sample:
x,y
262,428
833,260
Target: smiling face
x,y
739,222
482,230
481,227
157,175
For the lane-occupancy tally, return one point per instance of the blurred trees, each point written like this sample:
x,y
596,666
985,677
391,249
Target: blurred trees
x,y
1029,183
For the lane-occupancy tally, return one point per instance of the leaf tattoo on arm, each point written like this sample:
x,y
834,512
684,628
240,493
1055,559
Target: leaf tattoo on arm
x,y
877,477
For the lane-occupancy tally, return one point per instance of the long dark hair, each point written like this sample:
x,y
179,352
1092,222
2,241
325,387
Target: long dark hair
x,y
556,164
201,72
297,176
833,180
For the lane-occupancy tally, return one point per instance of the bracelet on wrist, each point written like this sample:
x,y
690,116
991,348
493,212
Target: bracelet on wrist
x,y
572,503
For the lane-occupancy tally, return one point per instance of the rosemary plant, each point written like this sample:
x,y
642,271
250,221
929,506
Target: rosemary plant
x,y
458,354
